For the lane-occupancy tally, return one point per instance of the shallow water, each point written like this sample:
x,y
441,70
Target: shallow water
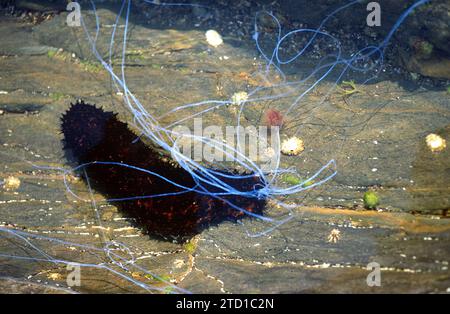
x,y
376,134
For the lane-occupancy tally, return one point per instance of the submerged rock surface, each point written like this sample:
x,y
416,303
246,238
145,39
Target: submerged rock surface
x,y
377,137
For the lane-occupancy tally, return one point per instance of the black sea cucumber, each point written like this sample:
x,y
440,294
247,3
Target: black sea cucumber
x,y
91,134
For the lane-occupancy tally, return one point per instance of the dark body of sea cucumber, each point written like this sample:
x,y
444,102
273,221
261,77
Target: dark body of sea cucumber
x,y
94,135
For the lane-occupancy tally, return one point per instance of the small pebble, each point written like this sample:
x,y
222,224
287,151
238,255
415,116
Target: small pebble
x,y
213,38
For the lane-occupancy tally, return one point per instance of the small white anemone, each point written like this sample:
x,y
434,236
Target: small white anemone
x,y
292,146
213,38
11,183
435,143
334,236
239,97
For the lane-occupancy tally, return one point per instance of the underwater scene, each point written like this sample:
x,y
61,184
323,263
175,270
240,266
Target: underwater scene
x,y
224,147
